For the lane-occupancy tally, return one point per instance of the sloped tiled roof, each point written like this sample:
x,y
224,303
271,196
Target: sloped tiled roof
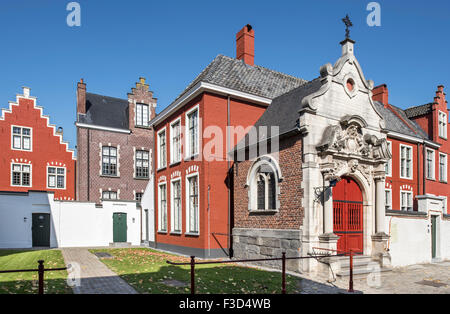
x,y
105,111
419,110
232,73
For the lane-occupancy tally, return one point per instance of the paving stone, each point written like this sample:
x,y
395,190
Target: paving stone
x,y
96,277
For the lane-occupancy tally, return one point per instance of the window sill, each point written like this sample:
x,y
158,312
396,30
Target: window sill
x,y
176,163
264,211
444,182
143,127
108,176
161,169
192,234
192,157
175,232
431,179
162,232
142,179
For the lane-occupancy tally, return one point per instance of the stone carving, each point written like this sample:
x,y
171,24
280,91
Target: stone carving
x,y
348,138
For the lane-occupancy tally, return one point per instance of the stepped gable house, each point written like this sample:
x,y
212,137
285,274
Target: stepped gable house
x,y
114,143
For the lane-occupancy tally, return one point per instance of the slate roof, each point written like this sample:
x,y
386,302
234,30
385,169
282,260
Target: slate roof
x,y
235,74
283,112
419,110
105,111
395,124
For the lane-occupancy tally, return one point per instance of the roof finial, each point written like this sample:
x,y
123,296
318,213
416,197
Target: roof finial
x,y
348,23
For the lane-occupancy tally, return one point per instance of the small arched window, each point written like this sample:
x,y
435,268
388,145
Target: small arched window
x,y
262,182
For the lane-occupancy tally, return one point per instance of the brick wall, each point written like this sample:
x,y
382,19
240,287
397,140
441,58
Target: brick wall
x,y
291,213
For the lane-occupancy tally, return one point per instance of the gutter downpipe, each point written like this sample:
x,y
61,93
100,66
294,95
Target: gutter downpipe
x,y
230,251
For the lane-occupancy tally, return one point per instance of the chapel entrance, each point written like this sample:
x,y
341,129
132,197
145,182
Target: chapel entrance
x,y
348,215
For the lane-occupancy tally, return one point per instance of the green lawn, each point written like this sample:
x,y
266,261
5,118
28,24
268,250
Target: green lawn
x,y
146,270
27,283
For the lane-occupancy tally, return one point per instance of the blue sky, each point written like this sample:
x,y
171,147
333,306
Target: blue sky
x,y
170,42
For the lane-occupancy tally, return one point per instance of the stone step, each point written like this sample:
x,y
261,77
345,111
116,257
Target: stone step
x,y
359,272
356,264
120,244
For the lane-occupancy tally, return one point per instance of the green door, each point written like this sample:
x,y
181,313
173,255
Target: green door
x,y
433,236
41,230
120,227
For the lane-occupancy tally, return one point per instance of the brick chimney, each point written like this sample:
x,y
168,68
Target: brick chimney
x,y
245,45
381,94
81,97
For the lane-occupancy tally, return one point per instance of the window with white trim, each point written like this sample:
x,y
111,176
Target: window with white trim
x,y
406,162
388,166
443,121
109,195
21,138
388,199
138,197
262,181
21,175
443,167
430,164
142,158
175,151
192,205
142,115
109,161
162,208
162,150
192,137
406,201
176,206
56,177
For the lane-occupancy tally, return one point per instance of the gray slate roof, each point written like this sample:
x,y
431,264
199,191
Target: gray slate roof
x,y
395,124
283,112
419,110
105,111
235,74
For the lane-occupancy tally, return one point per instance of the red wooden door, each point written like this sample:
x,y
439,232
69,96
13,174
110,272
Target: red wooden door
x,y
348,215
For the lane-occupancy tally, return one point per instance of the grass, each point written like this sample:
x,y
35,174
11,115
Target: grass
x,y
146,270
27,283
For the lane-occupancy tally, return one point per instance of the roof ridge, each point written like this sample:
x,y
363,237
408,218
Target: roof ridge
x,y
107,96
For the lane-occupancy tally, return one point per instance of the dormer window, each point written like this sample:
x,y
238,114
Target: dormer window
x,y
142,115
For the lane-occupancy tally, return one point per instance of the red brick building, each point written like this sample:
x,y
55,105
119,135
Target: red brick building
x,y
114,144
34,156
193,187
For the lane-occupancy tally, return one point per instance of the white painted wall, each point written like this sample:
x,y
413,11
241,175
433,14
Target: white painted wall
x,y
147,202
73,224
410,241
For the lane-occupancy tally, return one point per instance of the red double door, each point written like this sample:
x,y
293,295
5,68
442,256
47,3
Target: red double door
x,y
348,215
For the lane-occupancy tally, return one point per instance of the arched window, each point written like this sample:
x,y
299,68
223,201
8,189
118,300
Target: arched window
x,y
262,182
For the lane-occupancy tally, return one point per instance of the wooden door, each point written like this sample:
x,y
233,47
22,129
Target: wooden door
x,y
120,227
348,215
41,230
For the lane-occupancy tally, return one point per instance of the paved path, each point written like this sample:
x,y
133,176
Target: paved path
x,y
96,277
403,280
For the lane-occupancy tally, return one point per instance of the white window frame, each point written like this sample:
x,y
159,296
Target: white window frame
x,y
390,199
443,122
410,196
412,162
161,228
389,163
56,175
188,209
172,207
142,160
21,177
445,179
172,148
188,153
158,138
433,164
109,198
21,138
144,123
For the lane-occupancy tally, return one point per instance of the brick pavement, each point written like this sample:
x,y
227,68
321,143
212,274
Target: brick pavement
x,y
96,277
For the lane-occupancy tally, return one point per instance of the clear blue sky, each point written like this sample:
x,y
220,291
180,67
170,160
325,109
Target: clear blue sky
x,y
170,42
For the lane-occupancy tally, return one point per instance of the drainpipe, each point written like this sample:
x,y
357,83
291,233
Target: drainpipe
x,y
418,168
88,165
230,250
424,167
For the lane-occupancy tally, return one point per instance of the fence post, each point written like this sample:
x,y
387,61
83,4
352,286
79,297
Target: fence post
x,y
350,284
192,274
41,276
283,271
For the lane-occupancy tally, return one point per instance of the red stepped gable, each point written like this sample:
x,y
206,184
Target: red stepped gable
x,y
34,156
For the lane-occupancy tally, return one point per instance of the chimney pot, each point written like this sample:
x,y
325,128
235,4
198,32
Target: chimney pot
x,y
245,45
381,94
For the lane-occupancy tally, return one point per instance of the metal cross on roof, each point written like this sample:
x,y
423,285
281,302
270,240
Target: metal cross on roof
x,y
348,23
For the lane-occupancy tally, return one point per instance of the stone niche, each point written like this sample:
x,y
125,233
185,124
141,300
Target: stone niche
x,y
267,243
